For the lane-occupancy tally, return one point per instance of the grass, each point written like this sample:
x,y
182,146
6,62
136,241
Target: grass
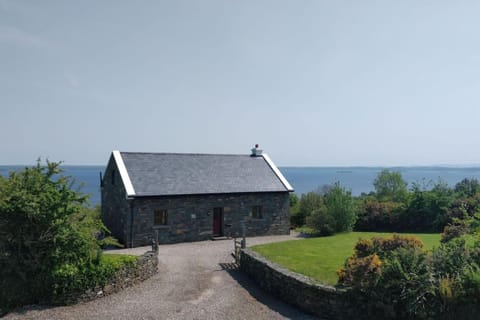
x,y
320,258
116,261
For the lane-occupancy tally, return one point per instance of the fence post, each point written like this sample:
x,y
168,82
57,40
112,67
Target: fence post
x,y
155,242
244,242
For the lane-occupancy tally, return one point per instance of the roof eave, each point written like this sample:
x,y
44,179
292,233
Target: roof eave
x,y
277,172
204,194
127,183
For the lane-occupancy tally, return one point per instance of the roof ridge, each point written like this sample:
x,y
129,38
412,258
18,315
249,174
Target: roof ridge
x,y
185,153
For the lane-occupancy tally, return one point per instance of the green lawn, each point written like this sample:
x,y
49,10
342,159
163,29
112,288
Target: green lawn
x,y
320,258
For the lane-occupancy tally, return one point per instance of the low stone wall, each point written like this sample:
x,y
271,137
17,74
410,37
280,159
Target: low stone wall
x,y
324,301
146,266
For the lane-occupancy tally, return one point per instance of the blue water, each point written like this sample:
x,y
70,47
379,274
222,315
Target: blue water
x,y
303,179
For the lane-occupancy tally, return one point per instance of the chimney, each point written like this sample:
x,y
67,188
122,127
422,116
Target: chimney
x,y
256,152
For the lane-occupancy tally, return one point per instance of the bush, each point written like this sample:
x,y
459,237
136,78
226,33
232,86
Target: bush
x,y
48,236
70,281
459,227
455,265
454,230
295,219
307,204
389,277
428,209
341,207
321,222
395,278
467,187
374,215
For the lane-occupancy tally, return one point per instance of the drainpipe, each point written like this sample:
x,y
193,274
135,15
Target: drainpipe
x,y
131,222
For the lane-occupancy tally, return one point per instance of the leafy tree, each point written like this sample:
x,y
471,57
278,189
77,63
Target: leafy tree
x,y
48,236
295,219
294,200
467,187
340,206
308,203
428,209
389,185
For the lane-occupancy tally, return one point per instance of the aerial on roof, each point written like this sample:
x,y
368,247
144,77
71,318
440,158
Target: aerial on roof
x,y
161,174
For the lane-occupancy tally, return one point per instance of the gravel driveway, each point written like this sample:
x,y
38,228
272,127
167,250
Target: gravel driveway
x,y
195,281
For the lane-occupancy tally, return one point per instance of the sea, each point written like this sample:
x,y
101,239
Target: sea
x,y
303,179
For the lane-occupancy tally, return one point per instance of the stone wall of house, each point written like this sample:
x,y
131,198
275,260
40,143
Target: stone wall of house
x,y
146,266
324,301
115,206
190,218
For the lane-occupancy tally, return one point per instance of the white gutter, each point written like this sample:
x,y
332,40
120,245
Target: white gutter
x,y
277,172
127,183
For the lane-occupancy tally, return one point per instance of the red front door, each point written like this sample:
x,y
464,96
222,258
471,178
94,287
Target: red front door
x,y
218,221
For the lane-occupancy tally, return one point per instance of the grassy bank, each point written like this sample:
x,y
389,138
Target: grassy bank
x,y
320,258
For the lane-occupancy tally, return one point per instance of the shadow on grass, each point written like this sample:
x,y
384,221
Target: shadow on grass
x,y
284,309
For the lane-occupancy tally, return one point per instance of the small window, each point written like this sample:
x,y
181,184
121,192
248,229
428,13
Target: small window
x,y
160,217
113,177
257,212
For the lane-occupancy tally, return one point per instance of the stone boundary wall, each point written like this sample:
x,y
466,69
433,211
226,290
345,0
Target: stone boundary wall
x,y
146,266
324,301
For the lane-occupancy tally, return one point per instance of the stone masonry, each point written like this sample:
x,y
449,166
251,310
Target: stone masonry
x,y
324,301
191,217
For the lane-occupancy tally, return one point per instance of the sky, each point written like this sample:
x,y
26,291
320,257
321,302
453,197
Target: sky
x,y
315,83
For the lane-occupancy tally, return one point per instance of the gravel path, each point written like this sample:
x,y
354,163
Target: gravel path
x,y
195,281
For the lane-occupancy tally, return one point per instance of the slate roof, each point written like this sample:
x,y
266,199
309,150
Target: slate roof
x,y
161,174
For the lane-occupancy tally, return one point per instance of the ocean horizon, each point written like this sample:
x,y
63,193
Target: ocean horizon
x,y
358,179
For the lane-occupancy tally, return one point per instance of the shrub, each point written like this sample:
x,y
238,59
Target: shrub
x,y
389,277
296,220
454,230
467,187
374,215
70,281
395,278
405,289
308,203
48,236
341,207
459,227
321,222
455,265
428,209
361,272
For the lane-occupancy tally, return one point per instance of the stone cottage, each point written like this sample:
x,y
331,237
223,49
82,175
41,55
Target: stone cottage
x,y
189,197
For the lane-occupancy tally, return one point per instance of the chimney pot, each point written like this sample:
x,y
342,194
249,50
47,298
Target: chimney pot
x,y
256,152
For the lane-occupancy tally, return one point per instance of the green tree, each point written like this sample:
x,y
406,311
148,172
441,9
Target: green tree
x,y
308,203
389,185
467,187
340,206
428,209
295,219
294,200
322,223
48,236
